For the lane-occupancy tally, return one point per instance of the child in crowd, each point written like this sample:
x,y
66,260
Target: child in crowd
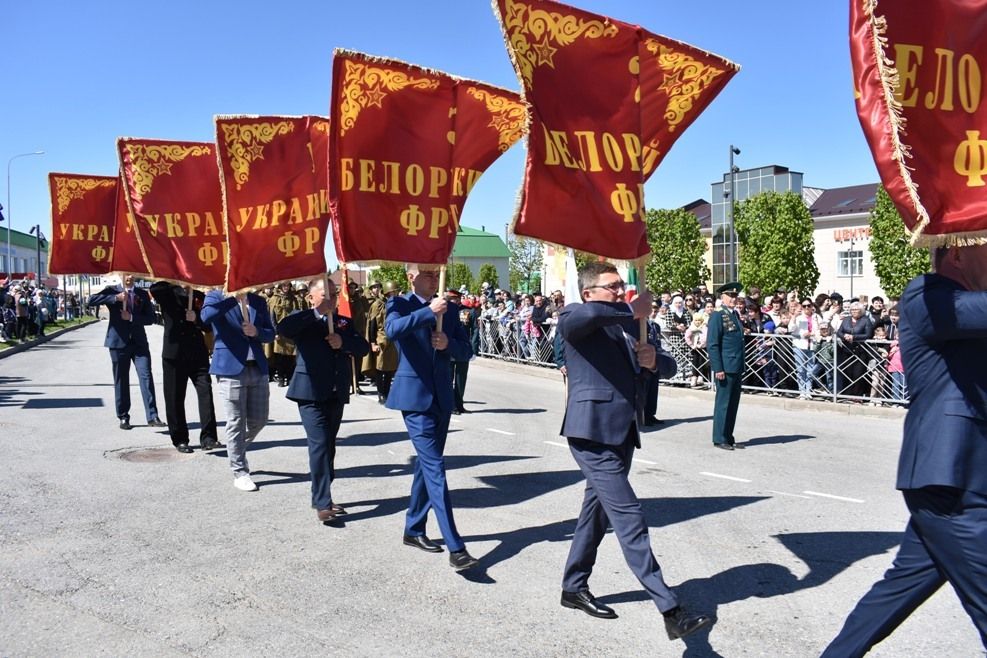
x,y
877,366
695,338
897,371
824,350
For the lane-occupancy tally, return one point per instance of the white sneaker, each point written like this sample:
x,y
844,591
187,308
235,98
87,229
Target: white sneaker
x,y
244,483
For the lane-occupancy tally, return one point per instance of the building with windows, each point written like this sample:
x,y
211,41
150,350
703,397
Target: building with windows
x,y
476,247
23,254
748,183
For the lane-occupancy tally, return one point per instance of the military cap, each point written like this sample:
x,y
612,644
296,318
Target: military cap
x,y
452,292
390,286
375,284
727,288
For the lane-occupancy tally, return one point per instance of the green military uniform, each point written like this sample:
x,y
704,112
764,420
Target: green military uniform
x,y
385,359
725,344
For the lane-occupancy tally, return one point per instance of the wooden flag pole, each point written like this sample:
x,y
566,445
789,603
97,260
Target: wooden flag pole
x,y
642,286
442,288
325,287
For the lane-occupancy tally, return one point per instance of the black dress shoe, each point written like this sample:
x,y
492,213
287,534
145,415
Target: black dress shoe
x,y
422,542
651,421
723,446
461,560
462,410
586,602
210,445
156,422
680,624
738,446
125,424
183,447
456,412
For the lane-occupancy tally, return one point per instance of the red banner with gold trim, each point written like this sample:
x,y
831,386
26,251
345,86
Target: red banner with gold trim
x,y
173,191
607,101
407,145
275,208
83,211
918,70
127,256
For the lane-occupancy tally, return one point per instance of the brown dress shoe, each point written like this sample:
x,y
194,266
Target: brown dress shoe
x,y
325,515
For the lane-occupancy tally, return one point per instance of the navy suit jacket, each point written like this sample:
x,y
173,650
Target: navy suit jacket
x,y
943,339
423,374
120,333
229,354
321,372
604,389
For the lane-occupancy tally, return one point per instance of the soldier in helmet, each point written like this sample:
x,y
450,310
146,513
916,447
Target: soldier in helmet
x,y
383,351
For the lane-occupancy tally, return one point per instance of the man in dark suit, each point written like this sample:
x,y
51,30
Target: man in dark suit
x,y
320,385
604,362
460,369
725,344
130,311
184,358
422,391
942,470
240,367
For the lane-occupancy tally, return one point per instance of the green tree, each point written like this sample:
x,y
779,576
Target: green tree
x,y
459,274
896,262
677,251
774,232
391,272
488,273
525,262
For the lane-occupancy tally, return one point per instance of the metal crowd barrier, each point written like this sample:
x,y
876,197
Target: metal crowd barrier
x,y
773,364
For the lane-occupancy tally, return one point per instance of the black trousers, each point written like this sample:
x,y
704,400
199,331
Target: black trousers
x,y
459,371
177,374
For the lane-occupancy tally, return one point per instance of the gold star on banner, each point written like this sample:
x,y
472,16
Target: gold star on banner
x,y
544,52
499,122
256,151
162,167
374,96
671,82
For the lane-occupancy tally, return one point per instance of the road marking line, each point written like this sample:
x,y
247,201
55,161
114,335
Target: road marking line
x,y
782,493
725,477
490,429
644,461
392,452
555,443
825,495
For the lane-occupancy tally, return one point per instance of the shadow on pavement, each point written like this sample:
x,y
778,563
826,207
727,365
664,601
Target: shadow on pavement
x,y
781,438
827,554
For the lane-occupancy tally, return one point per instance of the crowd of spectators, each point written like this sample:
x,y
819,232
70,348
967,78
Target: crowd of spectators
x,y
26,309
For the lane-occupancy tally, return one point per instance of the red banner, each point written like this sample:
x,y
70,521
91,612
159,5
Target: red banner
x,y
918,69
607,100
127,256
83,210
276,210
407,145
173,191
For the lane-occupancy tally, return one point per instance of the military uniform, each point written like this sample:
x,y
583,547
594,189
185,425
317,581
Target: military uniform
x,y
385,359
725,344
282,304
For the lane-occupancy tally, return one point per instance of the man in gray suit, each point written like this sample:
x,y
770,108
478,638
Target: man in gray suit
x,y
604,363
942,471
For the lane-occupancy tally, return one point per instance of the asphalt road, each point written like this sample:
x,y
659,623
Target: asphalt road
x,y
112,543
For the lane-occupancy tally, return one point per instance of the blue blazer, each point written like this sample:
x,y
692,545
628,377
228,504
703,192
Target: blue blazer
x,y
604,390
943,340
120,333
423,374
229,354
321,372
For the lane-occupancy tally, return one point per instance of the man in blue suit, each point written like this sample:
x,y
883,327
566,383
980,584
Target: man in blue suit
x,y
130,311
604,363
422,391
241,371
942,470
320,384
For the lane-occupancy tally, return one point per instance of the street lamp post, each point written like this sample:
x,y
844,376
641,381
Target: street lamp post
x,y
734,269
10,221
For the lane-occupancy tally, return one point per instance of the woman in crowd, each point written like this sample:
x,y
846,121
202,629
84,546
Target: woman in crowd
x,y
804,330
676,320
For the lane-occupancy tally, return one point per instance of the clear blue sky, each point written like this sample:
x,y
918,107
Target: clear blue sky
x,y
78,75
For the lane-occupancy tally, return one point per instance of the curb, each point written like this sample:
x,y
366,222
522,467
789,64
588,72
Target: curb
x,y
758,399
17,349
